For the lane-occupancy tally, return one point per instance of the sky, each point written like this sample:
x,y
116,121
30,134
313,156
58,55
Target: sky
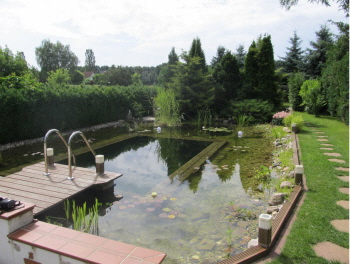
x,y
142,33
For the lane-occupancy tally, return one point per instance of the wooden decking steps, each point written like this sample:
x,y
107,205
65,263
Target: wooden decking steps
x,y
32,186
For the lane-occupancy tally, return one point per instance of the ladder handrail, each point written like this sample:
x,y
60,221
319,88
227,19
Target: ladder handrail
x,y
45,147
70,177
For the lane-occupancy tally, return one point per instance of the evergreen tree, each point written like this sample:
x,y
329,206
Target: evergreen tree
x,y
89,60
294,59
251,68
335,75
240,55
267,88
316,57
168,70
194,87
172,57
221,51
197,51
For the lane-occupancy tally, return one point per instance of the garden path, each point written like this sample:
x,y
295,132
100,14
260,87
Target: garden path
x,y
328,250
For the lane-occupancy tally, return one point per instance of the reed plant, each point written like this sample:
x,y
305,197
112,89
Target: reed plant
x,y
204,118
83,220
167,108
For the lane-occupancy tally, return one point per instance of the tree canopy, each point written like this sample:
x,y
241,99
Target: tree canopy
x,y
52,56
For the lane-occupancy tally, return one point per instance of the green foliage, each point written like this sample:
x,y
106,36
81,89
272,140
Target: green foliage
x,y
136,79
89,60
26,81
258,111
277,132
60,76
262,174
294,60
243,120
30,113
193,87
312,96
197,51
83,220
295,81
167,112
51,56
11,64
77,77
294,119
335,76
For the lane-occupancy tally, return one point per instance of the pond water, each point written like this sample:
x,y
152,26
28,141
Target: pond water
x,y
208,217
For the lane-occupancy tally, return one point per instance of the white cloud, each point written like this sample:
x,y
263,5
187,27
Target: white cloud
x,y
138,32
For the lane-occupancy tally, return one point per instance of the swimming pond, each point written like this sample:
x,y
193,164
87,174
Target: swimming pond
x,y
207,217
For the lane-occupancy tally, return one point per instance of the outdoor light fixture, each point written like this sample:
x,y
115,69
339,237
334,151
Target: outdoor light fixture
x,y
50,157
265,229
240,134
299,171
100,165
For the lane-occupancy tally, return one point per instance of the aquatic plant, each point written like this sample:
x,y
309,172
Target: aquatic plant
x,y
277,132
204,118
263,173
243,120
167,108
83,220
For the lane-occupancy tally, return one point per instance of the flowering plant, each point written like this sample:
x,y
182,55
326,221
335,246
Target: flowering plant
x,y
277,118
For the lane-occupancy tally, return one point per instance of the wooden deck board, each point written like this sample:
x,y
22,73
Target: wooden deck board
x,y
32,186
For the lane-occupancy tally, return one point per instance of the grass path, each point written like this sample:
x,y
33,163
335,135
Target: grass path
x,y
313,223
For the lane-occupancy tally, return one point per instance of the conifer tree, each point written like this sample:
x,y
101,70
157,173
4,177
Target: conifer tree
x,y
294,59
221,51
197,51
251,67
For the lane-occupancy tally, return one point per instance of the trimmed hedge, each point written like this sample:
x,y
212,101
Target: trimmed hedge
x,y
30,113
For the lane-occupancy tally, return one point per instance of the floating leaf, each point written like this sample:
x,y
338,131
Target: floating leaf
x,y
122,207
171,216
173,199
150,209
166,209
163,215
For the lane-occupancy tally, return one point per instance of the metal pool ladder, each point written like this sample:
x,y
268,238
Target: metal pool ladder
x,y
47,173
70,176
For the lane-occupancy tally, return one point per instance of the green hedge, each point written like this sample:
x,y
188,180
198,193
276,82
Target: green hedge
x,y
30,113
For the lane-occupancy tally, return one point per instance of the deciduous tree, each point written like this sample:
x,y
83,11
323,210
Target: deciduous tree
x,y
51,56
90,60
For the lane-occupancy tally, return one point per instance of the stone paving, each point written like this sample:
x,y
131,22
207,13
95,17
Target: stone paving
x,y
328,250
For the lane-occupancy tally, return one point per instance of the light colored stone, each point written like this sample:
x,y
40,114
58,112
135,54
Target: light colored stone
x,y
326,148
344,204
342,169
322,136
344,178
322,139
276,199
337,160
327,145
344,190
253,243
341,225
332,252
272,209
286,184
332,154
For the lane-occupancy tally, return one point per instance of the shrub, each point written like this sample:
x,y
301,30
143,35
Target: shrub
x,y
277,118
294,119
258,111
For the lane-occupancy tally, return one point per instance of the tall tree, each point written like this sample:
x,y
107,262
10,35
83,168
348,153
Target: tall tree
x,y
251,68
219,54
316,57
197,51
335,75
89,60
168,70
267,87
240,54
343,4
51,56
12,64
294,59
193,86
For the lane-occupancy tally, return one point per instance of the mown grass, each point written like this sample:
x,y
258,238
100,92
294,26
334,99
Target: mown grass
x,y
319,208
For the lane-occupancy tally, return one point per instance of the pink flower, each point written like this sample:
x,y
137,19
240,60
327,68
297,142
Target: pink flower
x,y
282,114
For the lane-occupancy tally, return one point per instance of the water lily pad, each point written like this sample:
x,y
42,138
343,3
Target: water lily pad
x,y
163,215
173,199
122,207
157,205
131,205
196,168
164,198
166,209
171,216
150,209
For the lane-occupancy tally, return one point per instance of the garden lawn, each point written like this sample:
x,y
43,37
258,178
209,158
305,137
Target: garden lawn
x,y
312,224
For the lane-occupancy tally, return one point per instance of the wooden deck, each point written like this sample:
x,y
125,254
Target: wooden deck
x,y
32,186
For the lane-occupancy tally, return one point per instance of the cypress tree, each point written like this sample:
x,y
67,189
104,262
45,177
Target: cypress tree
x,y
197,51
251,67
